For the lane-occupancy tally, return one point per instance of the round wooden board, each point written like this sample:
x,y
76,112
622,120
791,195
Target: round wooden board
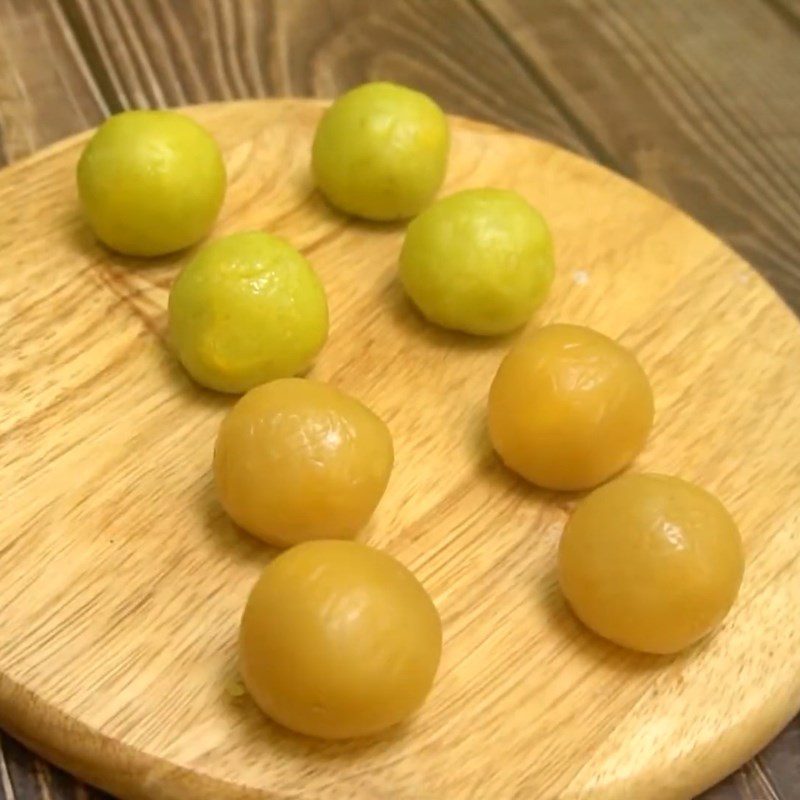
x,y
122,582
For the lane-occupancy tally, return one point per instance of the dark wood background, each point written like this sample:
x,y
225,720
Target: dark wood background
x,y
696,99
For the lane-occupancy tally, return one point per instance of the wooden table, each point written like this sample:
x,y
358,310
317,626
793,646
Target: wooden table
x,y
695,99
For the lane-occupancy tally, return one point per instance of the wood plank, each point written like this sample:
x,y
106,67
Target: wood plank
x,y
318,61
23,776
171,52
780,762
520,673
790,9
684,98
749,783
27,777
6,789
697,101
46,89
46,92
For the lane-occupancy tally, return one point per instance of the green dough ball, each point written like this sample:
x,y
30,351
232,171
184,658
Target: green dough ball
x,y
151,182
479,261
246,310
380,151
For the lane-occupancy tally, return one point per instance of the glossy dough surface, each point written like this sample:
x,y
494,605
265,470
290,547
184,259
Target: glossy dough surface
x,y
339,640
651,562
297,459
380,151
151,182
248,308
478,261
569,407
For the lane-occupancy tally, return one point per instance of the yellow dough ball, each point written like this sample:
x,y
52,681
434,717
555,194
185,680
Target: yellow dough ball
x,y
339,640
651,562
297,459
569,407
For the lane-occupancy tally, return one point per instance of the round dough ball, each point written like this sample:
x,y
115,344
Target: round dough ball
x,y
651,562
478,261
297,459
380,151
339,640
151,182
247,309
569,407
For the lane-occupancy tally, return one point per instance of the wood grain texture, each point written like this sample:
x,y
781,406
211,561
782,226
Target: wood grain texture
x,y
122,581
23,777
789,9
169,52
46,92
46,89
155,53
696,100
780,762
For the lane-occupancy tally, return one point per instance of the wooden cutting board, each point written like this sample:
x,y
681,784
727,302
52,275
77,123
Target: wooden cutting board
x,y
122,582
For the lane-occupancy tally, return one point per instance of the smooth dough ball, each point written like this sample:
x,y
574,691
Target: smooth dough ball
x,y
339,640
651,562
479,261
380,151
151,182
569,407
247,309
297,459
